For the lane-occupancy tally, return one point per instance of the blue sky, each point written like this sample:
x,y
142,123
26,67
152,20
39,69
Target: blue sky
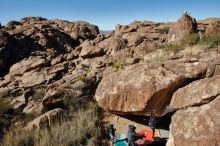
x,y
107,13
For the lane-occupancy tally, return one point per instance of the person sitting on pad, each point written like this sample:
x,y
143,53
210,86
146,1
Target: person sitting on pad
x,y
132,136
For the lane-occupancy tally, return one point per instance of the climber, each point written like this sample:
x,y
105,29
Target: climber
x,y
132,136
152,123
111,132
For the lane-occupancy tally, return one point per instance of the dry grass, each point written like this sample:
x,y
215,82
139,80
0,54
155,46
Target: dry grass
x,y
190,40
39,93
194,50
4,106
213,40
84,123
158,56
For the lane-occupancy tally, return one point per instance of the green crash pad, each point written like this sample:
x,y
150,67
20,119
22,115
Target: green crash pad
x,y
121,143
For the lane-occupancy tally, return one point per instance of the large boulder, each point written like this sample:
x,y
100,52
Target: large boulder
x,y
112,45
185,26
53,97
27,71
197,93
133,38
26,65
31,78
144,88
191,70
199,125
89,50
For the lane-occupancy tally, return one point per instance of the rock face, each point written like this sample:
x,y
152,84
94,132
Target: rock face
x,y
185,26
196,93
6,42
36,36
35,54
30,48
196,125
133,89
143,89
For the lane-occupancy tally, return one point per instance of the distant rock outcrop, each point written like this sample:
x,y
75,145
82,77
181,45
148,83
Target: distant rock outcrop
x,y
213,27
185,26
30,46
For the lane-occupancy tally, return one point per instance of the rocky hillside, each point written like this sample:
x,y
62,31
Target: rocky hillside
x,y
137,69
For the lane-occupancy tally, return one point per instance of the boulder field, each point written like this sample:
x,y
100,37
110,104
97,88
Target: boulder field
x,y
44,63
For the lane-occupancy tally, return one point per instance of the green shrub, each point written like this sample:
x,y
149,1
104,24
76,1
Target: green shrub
x,y
171,47
117,65
164,30
190,40
82,78
86,67
213,40
72,103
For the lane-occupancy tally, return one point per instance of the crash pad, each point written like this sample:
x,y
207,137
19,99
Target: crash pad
x,y
148,137
120,140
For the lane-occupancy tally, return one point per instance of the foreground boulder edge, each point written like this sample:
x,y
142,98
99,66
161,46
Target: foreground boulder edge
x,y
195,126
